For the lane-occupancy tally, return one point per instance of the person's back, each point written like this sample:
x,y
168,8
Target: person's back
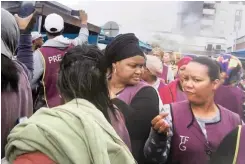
x,y
79,130
73,137
228,94
15,105
48,57
232,98
51,57
16,98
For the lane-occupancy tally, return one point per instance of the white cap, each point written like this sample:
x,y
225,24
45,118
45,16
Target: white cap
x,y
35,35
54,23
154,65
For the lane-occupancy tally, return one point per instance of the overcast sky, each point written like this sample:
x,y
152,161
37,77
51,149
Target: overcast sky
x,y
141,18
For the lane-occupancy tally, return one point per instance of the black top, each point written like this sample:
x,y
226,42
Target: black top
x,y
138,116
226,150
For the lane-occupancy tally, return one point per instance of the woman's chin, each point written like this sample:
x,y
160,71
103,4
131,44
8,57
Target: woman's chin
x,y
134,81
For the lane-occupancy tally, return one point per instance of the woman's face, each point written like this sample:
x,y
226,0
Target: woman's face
x,y
39,42
166,58
181,72
130,70
197,84
157,54
178,57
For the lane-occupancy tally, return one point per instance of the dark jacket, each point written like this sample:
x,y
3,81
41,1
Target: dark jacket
x,y
233,143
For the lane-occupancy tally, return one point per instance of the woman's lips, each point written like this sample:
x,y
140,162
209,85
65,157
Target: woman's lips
x,y
190,93
136,78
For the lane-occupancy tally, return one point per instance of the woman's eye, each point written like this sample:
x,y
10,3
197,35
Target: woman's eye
x,y
185,78
133,66
197,80
142,65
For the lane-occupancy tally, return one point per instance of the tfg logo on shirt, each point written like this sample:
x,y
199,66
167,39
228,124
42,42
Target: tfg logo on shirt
x,y
183,140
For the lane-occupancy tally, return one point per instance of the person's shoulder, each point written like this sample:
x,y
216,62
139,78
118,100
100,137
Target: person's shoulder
x,y
146,95
147,90
37,53
23,71
227,111
233,116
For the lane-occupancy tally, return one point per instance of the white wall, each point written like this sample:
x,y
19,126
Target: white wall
x,y
225,18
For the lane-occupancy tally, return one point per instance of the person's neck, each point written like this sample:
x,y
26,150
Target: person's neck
x,y
33,48
151,81
207,110
51,37
222,81
115,85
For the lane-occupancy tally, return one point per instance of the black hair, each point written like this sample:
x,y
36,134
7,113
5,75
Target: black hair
x,y
220,68
55,34
9,75
82,76
213,68
103,51
234,75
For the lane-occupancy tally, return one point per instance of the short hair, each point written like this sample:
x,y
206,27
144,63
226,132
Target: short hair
x,y
213,68
81,76
172,57
55,34
220,68
9,75
158,50
103,51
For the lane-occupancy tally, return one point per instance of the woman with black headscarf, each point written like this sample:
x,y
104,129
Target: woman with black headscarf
x,y
137,100
16,99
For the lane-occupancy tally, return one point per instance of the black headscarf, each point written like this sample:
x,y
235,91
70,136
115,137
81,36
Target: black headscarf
x,y
122,47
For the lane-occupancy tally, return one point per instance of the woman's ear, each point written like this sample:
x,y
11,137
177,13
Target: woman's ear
x,y
216,84
113,65
114,69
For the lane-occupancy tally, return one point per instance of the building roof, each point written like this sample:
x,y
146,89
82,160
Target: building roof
x,y
47,7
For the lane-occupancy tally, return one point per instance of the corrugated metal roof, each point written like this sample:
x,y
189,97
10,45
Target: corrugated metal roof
x,y
48,7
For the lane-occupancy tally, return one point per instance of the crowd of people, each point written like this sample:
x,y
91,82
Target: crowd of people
x,y
65,101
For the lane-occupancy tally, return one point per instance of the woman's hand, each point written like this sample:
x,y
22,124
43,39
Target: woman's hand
x,y
159,124
26,24
83,17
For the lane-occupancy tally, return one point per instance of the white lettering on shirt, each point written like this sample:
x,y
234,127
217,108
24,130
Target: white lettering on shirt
x,y
55,58
183,140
